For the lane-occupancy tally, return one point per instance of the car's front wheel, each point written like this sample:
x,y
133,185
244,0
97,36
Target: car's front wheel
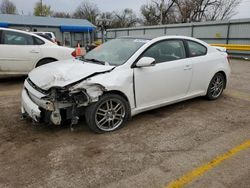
x,y
108,114
216,86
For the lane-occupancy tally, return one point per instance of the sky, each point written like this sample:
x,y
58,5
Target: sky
x,y
26,6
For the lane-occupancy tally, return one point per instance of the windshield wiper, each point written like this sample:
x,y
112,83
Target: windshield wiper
x,y
95,61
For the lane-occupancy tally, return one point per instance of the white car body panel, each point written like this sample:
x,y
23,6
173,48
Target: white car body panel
x,y
28,106
18,58
21,59
149,93
145,88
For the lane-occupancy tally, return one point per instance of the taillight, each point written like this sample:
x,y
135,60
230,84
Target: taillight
x,y
73,53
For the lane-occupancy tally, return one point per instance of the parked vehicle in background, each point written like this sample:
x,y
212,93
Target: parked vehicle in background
x,y
21,51
93,45
45,36
51,35
124,77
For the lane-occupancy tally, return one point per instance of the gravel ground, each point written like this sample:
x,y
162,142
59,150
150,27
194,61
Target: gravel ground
x,y
153,149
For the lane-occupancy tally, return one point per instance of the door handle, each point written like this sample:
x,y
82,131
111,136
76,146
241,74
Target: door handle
x,y
188,67
34,51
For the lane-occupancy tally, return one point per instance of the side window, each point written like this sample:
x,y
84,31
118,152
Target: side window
x,y
196,49
15,38
167,50
38,41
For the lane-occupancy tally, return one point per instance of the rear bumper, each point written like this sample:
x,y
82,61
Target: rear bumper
x,y
29,107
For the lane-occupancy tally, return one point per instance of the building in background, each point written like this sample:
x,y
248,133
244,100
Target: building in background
x,y
69,32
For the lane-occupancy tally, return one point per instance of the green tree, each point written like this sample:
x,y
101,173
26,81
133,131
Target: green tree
x,y
41,9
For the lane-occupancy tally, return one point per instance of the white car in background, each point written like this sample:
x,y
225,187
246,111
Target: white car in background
x,y
20,52
124,77
51,35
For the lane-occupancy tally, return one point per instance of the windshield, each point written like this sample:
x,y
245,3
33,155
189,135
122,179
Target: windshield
x,y
117,51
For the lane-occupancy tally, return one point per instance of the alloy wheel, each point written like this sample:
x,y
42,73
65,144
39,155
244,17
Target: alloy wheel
x,y
217,86
110,115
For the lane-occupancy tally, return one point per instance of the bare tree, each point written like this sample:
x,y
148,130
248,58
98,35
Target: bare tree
x,y
125,18
61,15
176,11
186,9
204,10
158,12
87,10
106,15
223,10
8,7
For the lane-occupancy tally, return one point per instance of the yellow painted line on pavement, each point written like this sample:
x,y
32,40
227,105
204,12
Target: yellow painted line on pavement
x,y
190,176
238,94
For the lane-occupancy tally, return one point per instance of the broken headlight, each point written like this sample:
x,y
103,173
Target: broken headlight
x,y
78,97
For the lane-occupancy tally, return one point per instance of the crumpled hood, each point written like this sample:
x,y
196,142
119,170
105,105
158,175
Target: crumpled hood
x,y
63,73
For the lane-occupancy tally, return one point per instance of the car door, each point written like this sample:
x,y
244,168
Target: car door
x,y
168,80
18,52
202,63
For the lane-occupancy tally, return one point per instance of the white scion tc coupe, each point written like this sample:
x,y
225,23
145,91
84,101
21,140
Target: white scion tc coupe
x,y
122,78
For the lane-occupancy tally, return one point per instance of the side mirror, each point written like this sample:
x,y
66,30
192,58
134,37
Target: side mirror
x,y
145,62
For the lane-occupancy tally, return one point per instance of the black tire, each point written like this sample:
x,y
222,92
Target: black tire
x,y
45,61
216,86
99,113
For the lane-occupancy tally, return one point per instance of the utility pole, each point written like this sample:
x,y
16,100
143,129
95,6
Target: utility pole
x,y
103,24
41,7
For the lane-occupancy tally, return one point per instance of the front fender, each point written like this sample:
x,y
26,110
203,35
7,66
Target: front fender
x,y
117,80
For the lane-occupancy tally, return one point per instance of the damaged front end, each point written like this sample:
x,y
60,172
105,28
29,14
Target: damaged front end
x,y
59,104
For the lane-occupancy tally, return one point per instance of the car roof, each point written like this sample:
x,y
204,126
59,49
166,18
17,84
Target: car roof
x,y
145,37
17,30
44,32
149,37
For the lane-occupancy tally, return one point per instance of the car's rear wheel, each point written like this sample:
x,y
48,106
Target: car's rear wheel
x,y
108,114
216,86
45,61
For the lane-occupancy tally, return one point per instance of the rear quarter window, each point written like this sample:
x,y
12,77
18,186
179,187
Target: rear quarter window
x,y
196,49
38,41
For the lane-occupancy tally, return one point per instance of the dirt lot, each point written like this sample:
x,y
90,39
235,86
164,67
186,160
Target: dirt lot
x,y
154,148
